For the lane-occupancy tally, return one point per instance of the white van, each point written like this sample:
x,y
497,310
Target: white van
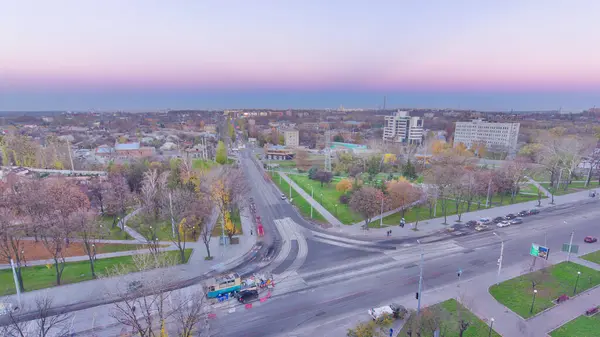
x,y
394,310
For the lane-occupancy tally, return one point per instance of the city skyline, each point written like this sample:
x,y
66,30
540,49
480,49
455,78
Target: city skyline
x,y
310,54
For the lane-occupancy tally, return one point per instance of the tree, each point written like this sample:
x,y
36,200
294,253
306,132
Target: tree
x,y
153,192
355,171
281,139
402,195
175,180
367,202
324,177
409,170
221,156
231,130
181,206
98,190
343,186
370,329
514,171
117,196
444,171
312,173
134,175
47,323
301,159
338,138
11,235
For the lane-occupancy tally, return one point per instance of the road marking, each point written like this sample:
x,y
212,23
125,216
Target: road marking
x,y
343,239
346,245
353,264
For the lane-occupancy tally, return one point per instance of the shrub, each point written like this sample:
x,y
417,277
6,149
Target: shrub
x,y
344,199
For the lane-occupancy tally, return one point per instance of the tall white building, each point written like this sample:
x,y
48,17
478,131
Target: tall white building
x,y
494,135
291,137
402,128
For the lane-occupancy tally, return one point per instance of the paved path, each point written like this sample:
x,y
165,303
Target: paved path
x,y
133,233
317,206
539,186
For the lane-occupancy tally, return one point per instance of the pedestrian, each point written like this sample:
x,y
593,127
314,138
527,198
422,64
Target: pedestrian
x,y
390,232
251,232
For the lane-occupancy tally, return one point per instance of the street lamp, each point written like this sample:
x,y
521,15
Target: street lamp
x,y
336,214
312,195
491,325
381,214
533,301
321,198
500,259
420,280
577,281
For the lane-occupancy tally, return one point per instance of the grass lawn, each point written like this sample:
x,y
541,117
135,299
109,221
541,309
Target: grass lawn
x,y
423,213
115,233
162,228
39,277
581,326
297,200
201,164
235,218
554,281
330,198
451,307
281,163
573,187
592,257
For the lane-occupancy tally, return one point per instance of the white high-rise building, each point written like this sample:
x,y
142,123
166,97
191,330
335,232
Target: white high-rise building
x,y
502,136
291,137
402,128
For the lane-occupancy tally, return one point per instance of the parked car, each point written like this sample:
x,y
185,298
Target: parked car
x,y
134,286
282,196
510,216
499,219
471,223
247,296
394,310
504,223
516,221
590,239
481,228
534,211
523,213
485,221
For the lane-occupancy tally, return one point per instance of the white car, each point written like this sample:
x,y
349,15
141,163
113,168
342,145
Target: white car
x,y
282,196
393,310
504,223
5,308
485,221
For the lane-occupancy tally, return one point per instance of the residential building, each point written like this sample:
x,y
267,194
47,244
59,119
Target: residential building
x,y
501,136
133,150
278,152
291,137
402,128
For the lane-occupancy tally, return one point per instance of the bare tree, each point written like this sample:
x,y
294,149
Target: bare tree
x,y
514,172
12,232
180,207
117,197
402,194
445,169
301,159
367,202
47,324
89,231
98,190
152,193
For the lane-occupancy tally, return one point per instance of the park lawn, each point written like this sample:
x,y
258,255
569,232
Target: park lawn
x,y
575,186
297,200
118,247
114,233
40,277
201,164
423,213
553,281
592,257
581,326
162,228
237,221
330,198
282,163
451,307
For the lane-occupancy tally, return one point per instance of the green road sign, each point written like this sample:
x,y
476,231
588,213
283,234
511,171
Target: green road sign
x,y
574,248
535,250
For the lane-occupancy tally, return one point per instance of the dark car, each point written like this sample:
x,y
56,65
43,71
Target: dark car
x,y
523,213
590,239
534,211
499,219
247,296
134,286
510,216
471,223
516,221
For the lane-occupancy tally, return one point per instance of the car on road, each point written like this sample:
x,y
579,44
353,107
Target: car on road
x,y
590,239
247,296
481,228
394,310
471,223
498,219
510,216
516,221
523,213
282,196
504,223
534,211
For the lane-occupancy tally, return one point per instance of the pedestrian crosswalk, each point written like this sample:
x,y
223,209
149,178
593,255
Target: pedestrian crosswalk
x,y
290,232
343,242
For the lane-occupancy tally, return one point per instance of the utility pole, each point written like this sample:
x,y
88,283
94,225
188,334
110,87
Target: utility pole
x,y
171,209
312,195
381,215
70,155
420,281
290,184
487,200
500,259
17,286
570,245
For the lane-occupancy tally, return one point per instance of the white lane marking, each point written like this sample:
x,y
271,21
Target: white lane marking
x,y
351,264
343,239
345,245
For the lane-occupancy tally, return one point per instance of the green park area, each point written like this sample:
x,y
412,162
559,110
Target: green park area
x,y
297,200
552,282
113,232
328,197
237,222
161,229
574,186
592,257
40,277
449,315
582,326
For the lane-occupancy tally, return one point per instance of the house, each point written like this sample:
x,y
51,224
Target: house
x,y
133,150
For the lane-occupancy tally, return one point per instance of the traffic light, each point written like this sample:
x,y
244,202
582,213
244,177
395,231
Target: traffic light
x,y
417,295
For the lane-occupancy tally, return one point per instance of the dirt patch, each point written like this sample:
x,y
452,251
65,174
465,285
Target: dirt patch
x,y
36,250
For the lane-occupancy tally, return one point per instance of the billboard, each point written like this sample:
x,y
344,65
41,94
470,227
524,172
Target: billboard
x,y
539,251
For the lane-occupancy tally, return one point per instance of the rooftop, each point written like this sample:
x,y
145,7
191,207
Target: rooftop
x,y
127,146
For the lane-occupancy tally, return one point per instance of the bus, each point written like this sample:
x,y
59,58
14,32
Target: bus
x,y
224,284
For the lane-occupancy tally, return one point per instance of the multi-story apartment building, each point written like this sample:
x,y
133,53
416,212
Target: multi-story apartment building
x,y
494,135
402,128
291,137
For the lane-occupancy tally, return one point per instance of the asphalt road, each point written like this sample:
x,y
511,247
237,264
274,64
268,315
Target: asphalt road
x,y
336,281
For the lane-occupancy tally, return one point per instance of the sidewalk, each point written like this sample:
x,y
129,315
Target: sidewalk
x,y
539,186
431,226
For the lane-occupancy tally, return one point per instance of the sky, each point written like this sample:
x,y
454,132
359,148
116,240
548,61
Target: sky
x,y
142,54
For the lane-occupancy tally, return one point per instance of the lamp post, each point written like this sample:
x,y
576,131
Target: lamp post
x,y
500,259
576,281
420,281
491,325
336,214
312,195
533,301
321,198
381,214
